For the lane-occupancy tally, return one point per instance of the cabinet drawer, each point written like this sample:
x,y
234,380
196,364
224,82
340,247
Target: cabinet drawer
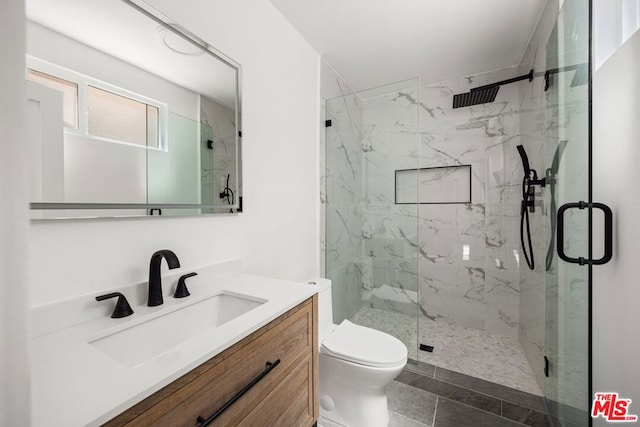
x,y
289,404
289,338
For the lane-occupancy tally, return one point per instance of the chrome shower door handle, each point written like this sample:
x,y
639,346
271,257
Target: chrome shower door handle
x,y
608,233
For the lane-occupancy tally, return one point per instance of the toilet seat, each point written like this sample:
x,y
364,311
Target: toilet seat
x,y
364,346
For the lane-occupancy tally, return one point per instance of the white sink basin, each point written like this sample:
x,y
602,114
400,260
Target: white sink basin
x,y
146,340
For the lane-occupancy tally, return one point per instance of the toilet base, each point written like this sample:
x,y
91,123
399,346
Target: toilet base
x,y
357,411
353,395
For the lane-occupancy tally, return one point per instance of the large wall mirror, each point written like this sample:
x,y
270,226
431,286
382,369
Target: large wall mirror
x,y
130,114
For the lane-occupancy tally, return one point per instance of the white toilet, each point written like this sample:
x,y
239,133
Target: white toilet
x,y
356,364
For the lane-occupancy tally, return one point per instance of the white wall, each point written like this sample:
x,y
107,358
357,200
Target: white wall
x,y
101,171
14,186
277,234
616,287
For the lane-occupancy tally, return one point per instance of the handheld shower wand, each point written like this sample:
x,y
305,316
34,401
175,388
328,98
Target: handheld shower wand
x,y
525,160
529,182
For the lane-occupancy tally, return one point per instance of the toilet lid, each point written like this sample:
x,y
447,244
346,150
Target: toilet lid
x,y
364,346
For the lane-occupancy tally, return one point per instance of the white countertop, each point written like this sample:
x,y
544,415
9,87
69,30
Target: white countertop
x,y
75,384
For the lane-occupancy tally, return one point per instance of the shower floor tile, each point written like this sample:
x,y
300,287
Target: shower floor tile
x,y
478,354
472,352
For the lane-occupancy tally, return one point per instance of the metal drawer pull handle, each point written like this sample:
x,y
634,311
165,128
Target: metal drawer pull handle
x,y
205,422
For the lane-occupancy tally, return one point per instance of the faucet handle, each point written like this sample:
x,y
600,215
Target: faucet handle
x,y
181,289
122,309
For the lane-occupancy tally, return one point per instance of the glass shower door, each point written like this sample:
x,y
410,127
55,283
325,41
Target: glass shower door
x,y
567,275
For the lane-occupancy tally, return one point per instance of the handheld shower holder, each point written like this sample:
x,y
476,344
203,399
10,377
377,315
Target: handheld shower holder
x,y
541,182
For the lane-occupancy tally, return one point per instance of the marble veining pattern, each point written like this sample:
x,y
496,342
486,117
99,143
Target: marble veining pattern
x,y
332,86
218,150
441,253
341,194
468,273
549,119
455,265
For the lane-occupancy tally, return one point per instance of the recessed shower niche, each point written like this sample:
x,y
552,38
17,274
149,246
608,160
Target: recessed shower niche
x,y
444,184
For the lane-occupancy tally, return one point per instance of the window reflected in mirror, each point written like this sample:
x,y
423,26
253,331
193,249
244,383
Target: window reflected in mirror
x,y
120,118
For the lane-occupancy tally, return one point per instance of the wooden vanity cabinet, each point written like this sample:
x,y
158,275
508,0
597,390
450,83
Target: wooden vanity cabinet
x,y
286,395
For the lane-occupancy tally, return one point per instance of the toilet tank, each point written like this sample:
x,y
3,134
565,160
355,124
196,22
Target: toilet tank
x,y
325,305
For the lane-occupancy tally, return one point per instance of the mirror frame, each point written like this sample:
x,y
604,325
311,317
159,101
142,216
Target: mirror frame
x,y
190,37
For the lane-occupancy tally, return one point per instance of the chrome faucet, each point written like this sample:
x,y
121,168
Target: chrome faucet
x,y
155,281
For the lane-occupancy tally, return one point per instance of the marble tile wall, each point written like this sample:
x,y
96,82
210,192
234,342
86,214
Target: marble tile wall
x,y
553,301
532,283
461,262
535,130
217,124
458,261
467,265
331,86
371,243
553,314
390,232
341,194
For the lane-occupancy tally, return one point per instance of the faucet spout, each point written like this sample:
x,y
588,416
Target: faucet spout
x,y
155,281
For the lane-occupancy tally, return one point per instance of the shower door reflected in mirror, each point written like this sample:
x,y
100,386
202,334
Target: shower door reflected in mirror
x,y
567,152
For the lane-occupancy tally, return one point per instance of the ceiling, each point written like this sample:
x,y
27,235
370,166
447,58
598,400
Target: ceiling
x,y
375,42
119,30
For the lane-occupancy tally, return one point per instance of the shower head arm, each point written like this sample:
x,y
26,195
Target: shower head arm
x,y
550,73
528,76
563,69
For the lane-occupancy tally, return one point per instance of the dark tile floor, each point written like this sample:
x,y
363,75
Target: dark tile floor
x,y
425,395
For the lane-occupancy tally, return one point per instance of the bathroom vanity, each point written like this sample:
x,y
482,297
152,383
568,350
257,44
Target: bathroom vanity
x,y
241,342
282,354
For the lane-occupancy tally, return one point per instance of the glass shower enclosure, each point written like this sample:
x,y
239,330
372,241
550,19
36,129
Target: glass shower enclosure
x,y
406,257
371,239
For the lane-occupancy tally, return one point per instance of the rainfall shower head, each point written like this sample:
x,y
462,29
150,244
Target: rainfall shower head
x,y
486,93
475,97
